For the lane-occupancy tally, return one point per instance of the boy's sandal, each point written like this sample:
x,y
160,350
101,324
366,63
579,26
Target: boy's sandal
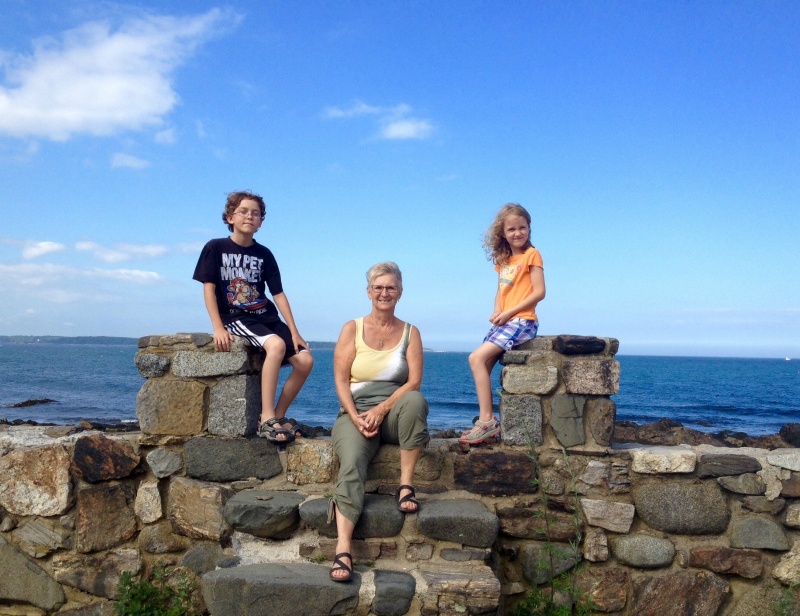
x,y
294,427
271,429
339,565
482,432
408,498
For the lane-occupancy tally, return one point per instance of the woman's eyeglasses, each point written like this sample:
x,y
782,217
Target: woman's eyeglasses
x,y
379,288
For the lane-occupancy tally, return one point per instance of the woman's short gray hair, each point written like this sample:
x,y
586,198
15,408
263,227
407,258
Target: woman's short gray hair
x,y
387,267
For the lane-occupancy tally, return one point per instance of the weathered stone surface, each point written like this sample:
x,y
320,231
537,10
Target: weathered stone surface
x,y
105,517
521,419
379,518
199,364
532,378
606,588
785,458
595,546
264,514
467,522
159,539
790,488
682,508
227,459
578,345
530,523
98,458
787,571
310,461
23,580
96,575
614,516
151,365
36,481
494,472
278,589
596,473
721,465
472,591
601,415
656,460
98,608
761,504
749,483
420,551
147,505
387,460
643,551
40,537
454,555
167,406
792,519
566,419
682,593
720,559
195,508
203,557
758,533
234,406
394,591
591,377
541,562
164,462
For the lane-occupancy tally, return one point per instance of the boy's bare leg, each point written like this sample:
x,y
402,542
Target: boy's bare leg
x,y
301,364
275,348
481,362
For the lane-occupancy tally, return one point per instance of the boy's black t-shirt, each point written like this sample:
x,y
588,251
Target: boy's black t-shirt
x,y
241,276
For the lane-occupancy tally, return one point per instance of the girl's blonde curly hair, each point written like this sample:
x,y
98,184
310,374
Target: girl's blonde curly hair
x,y
497,248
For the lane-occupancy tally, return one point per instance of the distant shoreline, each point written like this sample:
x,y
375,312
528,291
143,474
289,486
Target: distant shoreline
x,y
110,340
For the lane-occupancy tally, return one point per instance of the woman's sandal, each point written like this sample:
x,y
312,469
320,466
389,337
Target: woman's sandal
x,y
270,430
338,565
482,432
408,498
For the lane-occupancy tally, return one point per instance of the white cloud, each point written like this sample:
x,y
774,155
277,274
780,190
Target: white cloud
x,y
31,250
26,276
395,122
166,136
127,161
100,80
121,252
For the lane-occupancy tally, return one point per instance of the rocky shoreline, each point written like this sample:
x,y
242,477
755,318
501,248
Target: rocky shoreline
x,y
661,432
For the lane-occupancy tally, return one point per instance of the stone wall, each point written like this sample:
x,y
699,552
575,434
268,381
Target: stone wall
x,y
643,530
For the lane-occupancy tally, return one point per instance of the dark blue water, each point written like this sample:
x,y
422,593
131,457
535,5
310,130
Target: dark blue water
x,y
100,383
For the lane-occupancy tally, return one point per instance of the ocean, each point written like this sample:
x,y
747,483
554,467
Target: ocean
x,y
99,382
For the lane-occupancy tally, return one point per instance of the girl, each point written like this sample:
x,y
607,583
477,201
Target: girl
x,y
520,288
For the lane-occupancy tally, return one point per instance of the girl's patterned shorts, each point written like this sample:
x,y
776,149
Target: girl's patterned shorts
x,y
512,333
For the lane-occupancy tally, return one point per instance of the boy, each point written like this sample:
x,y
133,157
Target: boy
x,y
236,271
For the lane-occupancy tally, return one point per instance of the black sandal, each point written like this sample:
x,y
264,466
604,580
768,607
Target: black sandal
x,y
294,427
338,565
270,430
408,498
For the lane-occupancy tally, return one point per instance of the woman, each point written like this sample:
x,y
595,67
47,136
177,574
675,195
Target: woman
x,y
377,367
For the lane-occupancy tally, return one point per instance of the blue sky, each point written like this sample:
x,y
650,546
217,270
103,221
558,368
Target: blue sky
x,y
656,145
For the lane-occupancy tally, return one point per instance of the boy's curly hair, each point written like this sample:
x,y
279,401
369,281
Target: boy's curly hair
x,y
235,199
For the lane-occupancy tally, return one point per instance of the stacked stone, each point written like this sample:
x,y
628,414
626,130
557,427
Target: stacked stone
x,y
565,384
659,530
192,389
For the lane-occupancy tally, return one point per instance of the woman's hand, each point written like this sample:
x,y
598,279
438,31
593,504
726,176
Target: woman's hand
x,y
369,422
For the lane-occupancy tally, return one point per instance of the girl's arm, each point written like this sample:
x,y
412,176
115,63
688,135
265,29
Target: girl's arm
x,y
222,337
497,302
373,418
530,302
282,302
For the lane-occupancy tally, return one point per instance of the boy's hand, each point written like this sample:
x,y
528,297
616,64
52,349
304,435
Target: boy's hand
x,y
297,341
222,339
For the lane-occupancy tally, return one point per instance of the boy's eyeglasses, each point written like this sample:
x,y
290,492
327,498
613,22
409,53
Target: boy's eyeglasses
x,y
248,213
379,288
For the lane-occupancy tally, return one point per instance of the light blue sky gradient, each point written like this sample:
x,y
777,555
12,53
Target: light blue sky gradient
x,y
656,145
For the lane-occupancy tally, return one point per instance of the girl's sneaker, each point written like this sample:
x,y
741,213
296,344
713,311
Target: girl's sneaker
x,y
482,432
